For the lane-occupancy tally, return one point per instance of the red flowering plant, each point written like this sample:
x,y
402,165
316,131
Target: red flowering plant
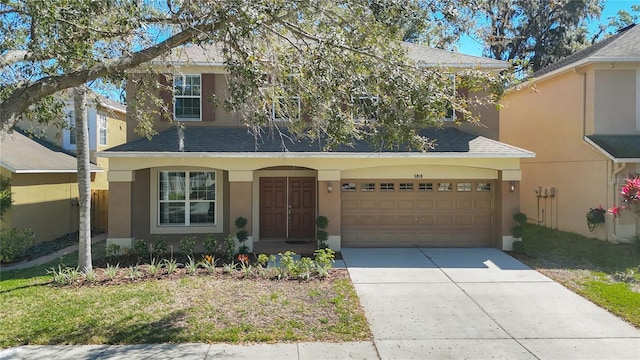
x,y
630,196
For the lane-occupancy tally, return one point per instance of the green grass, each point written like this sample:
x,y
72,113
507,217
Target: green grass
x,y
603,272
180,310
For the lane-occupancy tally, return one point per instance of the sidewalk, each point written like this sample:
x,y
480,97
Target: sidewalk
x,y
48,258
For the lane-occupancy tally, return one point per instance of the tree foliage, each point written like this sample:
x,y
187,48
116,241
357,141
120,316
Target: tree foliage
x,y
328,52
5,195
535,33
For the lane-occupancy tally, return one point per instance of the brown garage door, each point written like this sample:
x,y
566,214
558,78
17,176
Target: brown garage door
x,y
439,213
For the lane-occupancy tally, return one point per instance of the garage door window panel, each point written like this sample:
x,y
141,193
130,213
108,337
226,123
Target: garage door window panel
x,y
483,186
463,187
444,187
367,187
387,187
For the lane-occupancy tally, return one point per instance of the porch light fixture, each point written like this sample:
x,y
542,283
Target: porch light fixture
x,y
329,187
512,186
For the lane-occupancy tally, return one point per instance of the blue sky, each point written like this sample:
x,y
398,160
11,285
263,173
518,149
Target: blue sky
x,y
470,46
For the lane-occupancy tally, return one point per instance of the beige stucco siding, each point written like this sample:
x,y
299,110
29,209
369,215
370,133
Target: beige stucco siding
x,y
45,204
615,102
549,119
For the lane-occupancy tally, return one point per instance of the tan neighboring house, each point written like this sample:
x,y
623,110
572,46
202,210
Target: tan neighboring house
x,y
462,194
107,128
581,116
44,186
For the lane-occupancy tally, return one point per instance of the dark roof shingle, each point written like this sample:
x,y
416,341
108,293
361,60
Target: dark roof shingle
x,y
618,146
211,139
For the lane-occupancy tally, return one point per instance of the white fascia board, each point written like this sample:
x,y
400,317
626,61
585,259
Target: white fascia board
x,y
53,171
336,155
7,166
113,108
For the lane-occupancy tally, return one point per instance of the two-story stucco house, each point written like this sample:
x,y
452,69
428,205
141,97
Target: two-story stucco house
x,y
463,193
581,116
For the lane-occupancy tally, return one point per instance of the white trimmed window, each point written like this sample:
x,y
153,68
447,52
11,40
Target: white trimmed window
x,y
186,198
102,129
187,99
451,113
71,122
286,108
364,108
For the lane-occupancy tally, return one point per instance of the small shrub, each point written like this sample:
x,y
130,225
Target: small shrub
x,y
191,266
517,231
229,247
241,222
112,251
230,267
170,265
112,271
133,272
141,249
65,275
14,243
324,259
243,249
322,235
208,263
161,247
153,267
210,244
520,218
187,244
305,268
89,275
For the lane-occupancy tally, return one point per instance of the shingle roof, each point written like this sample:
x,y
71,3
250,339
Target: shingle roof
x,y
21,154
625,45
618,146
206,54
439,57
212,139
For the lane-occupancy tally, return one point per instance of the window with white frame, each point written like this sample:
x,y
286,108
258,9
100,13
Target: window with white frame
x,y
286,107
71,124
451,113
187,101
187,198
364,108
102,129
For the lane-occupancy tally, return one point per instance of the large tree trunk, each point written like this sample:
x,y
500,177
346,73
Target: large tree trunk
x,y
84,176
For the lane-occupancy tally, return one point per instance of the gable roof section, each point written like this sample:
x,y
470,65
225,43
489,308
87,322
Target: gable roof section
x,y
620,148
623,46
237,142
212,55
21,154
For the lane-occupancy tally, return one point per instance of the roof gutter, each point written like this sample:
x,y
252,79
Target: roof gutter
x,y
333,155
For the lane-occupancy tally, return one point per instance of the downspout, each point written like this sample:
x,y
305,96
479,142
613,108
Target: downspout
x,y
584,101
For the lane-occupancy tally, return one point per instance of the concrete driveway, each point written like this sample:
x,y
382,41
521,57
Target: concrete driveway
x,y
478,304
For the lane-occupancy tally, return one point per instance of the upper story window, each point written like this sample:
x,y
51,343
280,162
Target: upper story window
x,y
71,123
187,198
451,112
102,129
286,107
364,108
187,101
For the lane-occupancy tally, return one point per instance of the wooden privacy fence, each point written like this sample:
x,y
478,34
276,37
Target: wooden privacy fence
x,y
99,210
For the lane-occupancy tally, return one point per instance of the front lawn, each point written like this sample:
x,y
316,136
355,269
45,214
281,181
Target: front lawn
x,y
177,309
605,273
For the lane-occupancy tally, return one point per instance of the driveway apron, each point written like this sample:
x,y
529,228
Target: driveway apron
x,y
476,304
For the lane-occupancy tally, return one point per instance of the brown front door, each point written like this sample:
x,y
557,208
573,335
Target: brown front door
x,y
287,207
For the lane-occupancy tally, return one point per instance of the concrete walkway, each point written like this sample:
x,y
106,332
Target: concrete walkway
x,y
428,304
478,304
48,258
